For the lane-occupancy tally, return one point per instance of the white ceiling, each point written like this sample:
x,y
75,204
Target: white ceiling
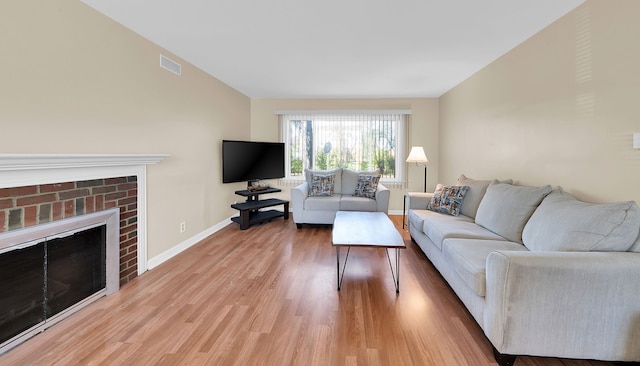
x,y
337,48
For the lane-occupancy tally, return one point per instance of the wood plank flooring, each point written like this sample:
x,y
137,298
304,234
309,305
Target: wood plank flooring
x,y
267,296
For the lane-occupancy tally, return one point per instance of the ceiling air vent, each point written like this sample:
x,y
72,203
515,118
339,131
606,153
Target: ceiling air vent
x,y
169,64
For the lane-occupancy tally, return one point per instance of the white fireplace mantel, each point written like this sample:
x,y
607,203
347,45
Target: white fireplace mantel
x,y
10,162
17,170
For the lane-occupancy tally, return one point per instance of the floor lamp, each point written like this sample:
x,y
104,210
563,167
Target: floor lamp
x,y
418,156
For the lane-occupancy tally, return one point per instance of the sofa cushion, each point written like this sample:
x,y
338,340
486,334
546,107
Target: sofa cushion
x,y
367,186
506,208
337,182
350,180
323,203
322,185
477,189
439,227
468,258
417,217
563,223
448,199
353,203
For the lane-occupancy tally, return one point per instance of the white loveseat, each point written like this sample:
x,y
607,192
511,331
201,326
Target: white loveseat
x,y
322,208
542,273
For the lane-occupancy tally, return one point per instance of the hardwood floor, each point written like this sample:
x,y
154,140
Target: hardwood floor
x,y
267,296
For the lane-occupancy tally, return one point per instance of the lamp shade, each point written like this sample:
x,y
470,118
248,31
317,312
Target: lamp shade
x,y
636,140
417,155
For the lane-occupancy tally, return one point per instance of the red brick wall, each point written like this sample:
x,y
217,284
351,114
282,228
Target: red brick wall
x,y
32,205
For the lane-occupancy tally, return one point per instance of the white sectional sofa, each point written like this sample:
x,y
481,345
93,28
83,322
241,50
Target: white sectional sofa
x,y
325,192
542,273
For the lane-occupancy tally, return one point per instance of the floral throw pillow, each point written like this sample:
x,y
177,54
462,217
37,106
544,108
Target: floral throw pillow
x,y
367,186
322,185
448,199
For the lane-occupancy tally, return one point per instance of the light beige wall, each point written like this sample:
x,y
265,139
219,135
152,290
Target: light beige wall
x,y
74,81
423,130
561,108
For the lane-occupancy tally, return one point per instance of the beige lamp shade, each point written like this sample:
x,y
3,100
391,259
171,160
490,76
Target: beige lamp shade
x,y
417,155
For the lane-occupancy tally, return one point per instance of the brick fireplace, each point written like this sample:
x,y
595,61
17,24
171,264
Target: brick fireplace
x,y
42,188
32,205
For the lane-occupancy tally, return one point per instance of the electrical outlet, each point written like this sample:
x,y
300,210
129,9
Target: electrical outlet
x,y
183,227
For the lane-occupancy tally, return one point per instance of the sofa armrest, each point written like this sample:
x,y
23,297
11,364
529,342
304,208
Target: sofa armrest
x,y
298,194
418,200
564,304
382,199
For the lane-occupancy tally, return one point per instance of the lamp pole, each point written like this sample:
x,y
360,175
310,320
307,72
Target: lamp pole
x,y
425,178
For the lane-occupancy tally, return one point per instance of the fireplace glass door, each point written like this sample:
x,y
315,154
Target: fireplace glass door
x,y
21,290
76,268
41,280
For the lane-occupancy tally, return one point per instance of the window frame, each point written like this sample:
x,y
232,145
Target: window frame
x,y
401,137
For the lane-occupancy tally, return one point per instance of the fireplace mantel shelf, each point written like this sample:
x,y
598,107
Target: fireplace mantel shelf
x,y
14,162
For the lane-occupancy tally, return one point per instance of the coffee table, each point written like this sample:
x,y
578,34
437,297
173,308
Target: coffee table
x,y
366,229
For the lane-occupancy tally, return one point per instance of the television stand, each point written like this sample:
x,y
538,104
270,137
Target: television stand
x,y
250,209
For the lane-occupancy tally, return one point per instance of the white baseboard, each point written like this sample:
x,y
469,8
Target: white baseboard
x,y
165,256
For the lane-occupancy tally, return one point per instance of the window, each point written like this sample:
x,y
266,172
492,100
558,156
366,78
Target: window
x,y
355,140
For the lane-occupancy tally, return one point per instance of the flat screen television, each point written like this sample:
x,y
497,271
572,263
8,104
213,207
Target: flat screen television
x,y
251,160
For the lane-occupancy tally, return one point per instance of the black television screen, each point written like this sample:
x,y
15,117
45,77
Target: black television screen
x,y
251,160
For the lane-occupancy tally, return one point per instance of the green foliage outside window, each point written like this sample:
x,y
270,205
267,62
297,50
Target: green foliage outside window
x,y
385,163
326,161
296,166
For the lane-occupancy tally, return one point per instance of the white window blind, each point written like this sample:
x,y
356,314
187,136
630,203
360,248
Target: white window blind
x,y
358,140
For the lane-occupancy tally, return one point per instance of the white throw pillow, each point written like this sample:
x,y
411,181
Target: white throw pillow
x,y
506,208
563,223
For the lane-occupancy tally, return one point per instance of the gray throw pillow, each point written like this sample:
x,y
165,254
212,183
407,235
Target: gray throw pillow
x,y
563,223
506,208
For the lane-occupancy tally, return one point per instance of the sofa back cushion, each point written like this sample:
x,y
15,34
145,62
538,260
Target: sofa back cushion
x,y
472,199
477,189
636,246
337,181
563,223
350,180
506,208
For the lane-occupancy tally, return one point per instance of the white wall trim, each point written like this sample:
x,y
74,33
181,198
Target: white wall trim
x,y
175,250
19,170
49,161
